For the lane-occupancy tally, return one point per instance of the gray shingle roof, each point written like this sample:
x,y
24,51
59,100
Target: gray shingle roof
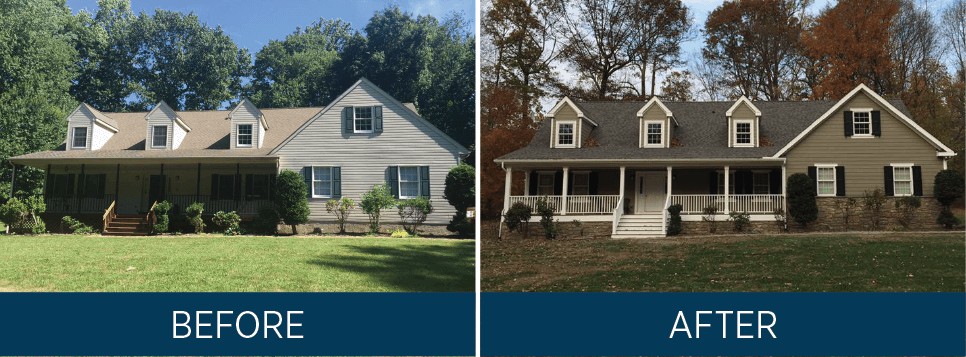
x,y
702,131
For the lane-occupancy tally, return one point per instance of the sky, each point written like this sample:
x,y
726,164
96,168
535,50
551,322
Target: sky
x,y
252,24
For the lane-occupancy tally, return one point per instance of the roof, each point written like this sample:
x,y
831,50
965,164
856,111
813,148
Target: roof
x,y
100,116
702,131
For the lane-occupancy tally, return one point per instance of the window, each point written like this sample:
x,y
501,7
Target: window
x,y
226,187
92,185
363,119
731,182
761,181
260,187
408,182
655,131
160,137
581,183
244,135
80,137
545,184
861,124
743,133
321,181
565,134
825,180
902,180
62,185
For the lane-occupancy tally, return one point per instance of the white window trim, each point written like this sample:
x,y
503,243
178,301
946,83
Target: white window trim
x,y
861,110
751,133
330,182
731,182
74,134
238,136
644,142
912,183
372,118
556,137
153,128
835,183
552,183
399,182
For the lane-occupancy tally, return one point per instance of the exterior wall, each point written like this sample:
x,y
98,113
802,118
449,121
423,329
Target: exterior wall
x,y
654,113
100,136
832,218
261,135
690,182
567,230
864,158
725,227
79,118
364,158
245,116
163,116
743,112
566,113
179,134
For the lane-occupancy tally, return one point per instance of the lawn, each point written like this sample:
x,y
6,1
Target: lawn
x,y
219,263
813,263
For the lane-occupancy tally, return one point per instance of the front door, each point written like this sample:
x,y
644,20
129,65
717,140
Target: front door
x,y
156,190
649,187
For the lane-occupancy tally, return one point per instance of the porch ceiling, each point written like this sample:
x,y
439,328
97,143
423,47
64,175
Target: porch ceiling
x,y
638,164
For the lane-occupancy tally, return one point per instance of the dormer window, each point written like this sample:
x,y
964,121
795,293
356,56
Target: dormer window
x,y
244,135
363,120
159,138
654,131
743,132
565,134
80,138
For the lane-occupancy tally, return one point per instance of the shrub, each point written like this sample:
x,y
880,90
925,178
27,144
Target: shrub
x,y
161,212
873,201
947,218
227,222
801,199
847,208
741,220
949,187
341,208
24,215
460,192
518,217
545,210
906,209
709,216
266,222
72,225
193,212
413,212
461,225
781,219
674,225
290,199
378,198
401,233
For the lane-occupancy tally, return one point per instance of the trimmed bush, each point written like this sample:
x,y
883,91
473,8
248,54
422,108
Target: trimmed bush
x,y
266,222
741,220
460,192
227,222
291,199
947,218
801,199
518,218
674,226
193,212
161,211
710,213
72,225
873,201
906,209
413,212
378,198
949,187
545,211
460,225
341,208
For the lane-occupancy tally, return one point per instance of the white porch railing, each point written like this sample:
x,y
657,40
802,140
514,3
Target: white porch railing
x,y
753,204
576,204
618,212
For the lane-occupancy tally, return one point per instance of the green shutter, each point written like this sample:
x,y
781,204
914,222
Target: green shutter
x,y
424,181
392,178
346,121
307,176
336,182
377,118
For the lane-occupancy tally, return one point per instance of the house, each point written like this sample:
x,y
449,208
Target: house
x,y
228,159
618,166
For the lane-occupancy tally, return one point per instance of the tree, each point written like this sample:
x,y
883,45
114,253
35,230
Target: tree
x,y
290,199
503,131
677,86
106,77
801,199
378,198
660,28
597,43
953,28
913,43
948,187
341,208
460,192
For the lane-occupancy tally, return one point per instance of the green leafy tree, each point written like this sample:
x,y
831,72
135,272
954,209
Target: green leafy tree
x,y
948,187
378,198
460,192
105,74
290,199
801,199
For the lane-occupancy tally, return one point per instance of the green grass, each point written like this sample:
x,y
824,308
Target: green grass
x,y
218,263
932,263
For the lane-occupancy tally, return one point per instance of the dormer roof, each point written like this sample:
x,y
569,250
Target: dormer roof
x,y
657,101
747,102
248,105
167,110
105,120
574,106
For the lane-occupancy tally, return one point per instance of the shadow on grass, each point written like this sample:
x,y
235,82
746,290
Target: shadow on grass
x,y
422,268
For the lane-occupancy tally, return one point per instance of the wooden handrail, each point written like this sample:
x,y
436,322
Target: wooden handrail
x,y
152,218
109,214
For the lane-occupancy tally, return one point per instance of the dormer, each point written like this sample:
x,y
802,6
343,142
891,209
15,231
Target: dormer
x,y
569,127
165,129
657,125
88,128
743,124
248,126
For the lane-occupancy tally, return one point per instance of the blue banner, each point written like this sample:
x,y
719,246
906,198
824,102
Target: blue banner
x,y
237,324
723,324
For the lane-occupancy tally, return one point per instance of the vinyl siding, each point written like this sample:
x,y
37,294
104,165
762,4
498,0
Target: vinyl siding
x,y
566,113
161,117
743,112
100,136
657,114
179,134
364,158
245,116
79,118
864,158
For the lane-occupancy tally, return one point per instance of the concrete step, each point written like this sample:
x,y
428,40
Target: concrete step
x,y
636,236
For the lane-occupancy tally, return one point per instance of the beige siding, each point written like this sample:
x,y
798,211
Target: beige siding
x,y
364,158
79,118
743,112
161,117
865,158
244,115
657,114
566,113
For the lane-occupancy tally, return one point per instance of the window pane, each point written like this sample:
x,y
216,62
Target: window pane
x,y
902,173
743,133
80,137
546,180
861,123
654,133
363,112
903,188
245,134
565,134
226,187
260,186
826,173
409,189
408,174
826,188
322,173
581,179
160,136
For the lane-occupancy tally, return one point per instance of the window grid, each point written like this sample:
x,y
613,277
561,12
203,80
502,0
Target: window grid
x,y
545,185
244,135
80,137
581,183
826,181
731,183
861,123
363,119
160,137
321,181
565,134
408,182
654,133
761,183
743,133
902,180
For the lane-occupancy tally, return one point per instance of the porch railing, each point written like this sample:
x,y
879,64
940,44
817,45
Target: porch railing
x,y
75,203
576,204
241,206
553,201
754,204
618,212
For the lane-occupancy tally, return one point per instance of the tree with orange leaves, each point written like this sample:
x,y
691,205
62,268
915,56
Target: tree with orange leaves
x,y
504,129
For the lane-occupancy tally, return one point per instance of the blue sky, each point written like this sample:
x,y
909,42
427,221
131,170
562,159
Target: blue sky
x,y
251,24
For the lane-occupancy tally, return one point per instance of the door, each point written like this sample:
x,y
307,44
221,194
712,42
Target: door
x,y
649,187
156,190
129,192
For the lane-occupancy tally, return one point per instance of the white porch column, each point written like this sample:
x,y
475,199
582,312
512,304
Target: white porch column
x,y
526,183
669,177
622,182
784,190
727,184
506,192
563,199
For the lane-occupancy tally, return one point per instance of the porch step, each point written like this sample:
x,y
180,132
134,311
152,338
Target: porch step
x,y
646,225
126,225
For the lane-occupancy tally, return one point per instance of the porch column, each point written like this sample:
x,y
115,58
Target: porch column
x,y
506,191
117,181
526,183
622,182
784,191
727,184
669,178
563,199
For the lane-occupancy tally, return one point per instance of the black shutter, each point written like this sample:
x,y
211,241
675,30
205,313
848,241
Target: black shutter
x,y
336,182
917,180
81,179
592,181
102,182
307,176
237,186
876,123
214,187
271,187
848,123
713,183
392,179
70,184
424,181
748,182
249,186
377,119
558,183
534,178
49,185
812,174
775,182
887,175
347,120
840,180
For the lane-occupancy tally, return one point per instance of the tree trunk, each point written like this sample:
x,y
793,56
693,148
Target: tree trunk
x,y
294,231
